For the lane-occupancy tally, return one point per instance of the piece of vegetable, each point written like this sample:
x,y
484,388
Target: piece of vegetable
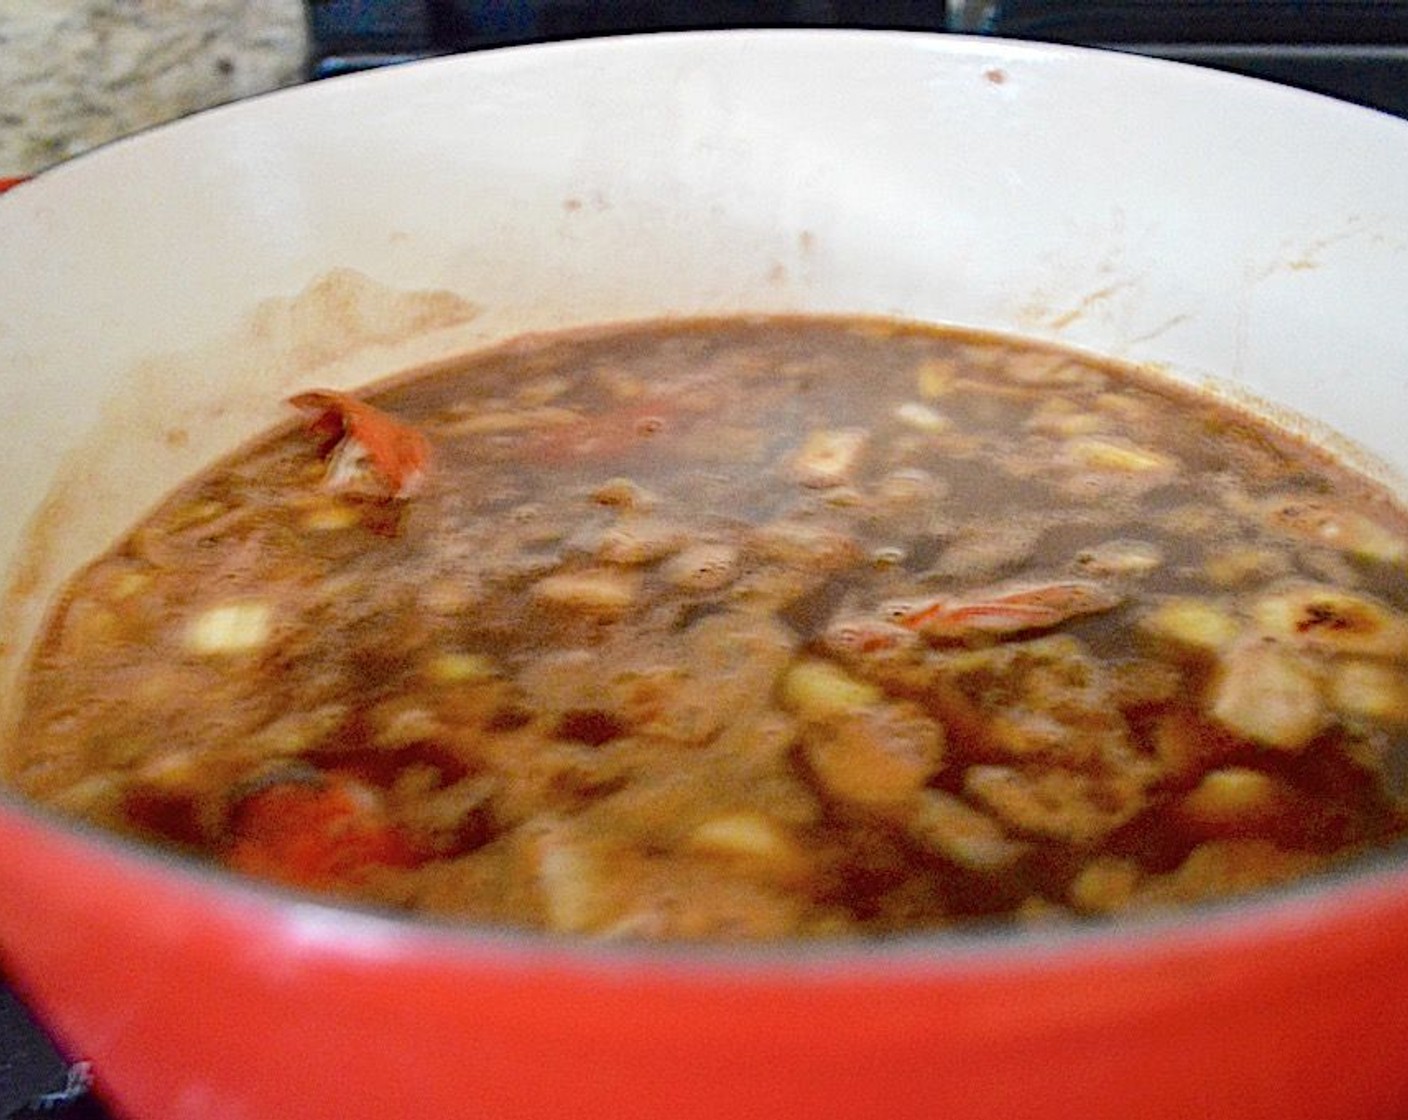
x,y
367,450
1269,694
324,832
230,629
821,690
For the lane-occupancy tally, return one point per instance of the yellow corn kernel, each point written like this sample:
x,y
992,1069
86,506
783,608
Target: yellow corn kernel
x,y
1194,623
230,629
821,690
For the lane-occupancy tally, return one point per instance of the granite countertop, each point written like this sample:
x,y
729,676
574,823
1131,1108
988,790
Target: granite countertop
x,y
77,73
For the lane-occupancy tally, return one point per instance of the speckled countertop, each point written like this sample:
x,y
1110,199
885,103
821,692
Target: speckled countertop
x,y
77,73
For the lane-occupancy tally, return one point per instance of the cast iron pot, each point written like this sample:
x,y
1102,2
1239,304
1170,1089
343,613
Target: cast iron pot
x,y
159,298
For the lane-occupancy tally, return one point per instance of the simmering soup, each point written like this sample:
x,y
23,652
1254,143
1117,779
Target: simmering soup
x,y
752,628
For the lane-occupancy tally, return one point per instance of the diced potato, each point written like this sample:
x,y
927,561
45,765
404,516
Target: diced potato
x,y
1370,690
1060,804
1195,624
624,494
1104,885
750,839
1321,521
1120,558
572,883
950,826
230,629
1118,456
1331,620
828,456
880,754
608,592
1220,868
1234,797
922,418
1269,694
703,567
400,721
640,540
810,547
820,690
1240,566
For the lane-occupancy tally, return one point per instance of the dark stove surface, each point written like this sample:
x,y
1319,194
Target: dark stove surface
x,y
1353,49
35,1081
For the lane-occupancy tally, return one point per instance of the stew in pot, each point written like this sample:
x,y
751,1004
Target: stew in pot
x,y
752,628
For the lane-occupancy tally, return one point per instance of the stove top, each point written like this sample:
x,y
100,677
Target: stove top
x,y
1353,49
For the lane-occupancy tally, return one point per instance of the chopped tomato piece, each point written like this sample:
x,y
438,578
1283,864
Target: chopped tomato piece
x,y
316,834
367,449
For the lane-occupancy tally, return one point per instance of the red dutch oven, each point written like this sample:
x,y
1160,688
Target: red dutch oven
x,y
160,297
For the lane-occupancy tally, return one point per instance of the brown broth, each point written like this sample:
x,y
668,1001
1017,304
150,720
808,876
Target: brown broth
x,y
752,629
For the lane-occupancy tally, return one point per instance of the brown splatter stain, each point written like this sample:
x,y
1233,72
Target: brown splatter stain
x,y
806,242
344,311
996,75
572,205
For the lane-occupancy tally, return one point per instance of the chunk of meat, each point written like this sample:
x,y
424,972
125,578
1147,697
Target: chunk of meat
x,y
1004,611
